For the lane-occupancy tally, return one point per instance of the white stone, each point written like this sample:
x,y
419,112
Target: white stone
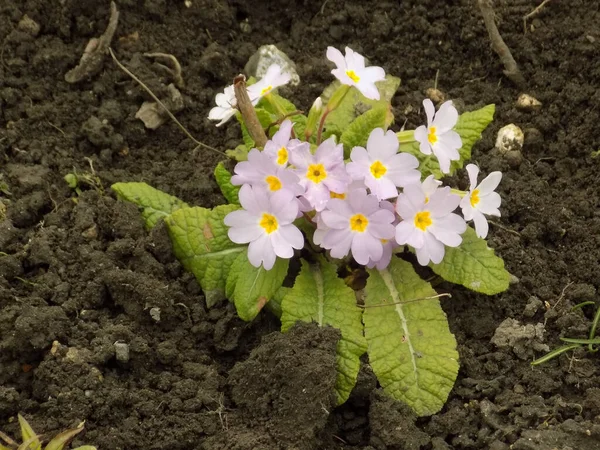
x,y
265,56
510,137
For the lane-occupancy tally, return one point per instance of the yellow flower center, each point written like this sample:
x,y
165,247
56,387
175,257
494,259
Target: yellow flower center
x,y
384,241
273,182
316,173
269,223
426,199
432,137
266,90
352,75
378,170
282,156
336,195
423,220
358,223
475,198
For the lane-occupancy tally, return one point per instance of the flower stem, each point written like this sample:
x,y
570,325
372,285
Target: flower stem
x,y
248,112
458,192
322,125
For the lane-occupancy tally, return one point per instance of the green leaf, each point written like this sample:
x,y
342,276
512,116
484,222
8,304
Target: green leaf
x,y
201,244
28,435
470,125
275,304
154,204
474,265
359,130
223,177
411,349
61,440
250,288
320,296
554,353
240,153
354,104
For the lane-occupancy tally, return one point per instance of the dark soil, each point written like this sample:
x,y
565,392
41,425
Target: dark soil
x,y
78,273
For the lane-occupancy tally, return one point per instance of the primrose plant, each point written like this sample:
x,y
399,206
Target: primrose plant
x,y
320,202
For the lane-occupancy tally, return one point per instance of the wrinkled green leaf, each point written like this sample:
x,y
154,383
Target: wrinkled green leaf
x,y
411,349
154,204
359,130
250,288
474,265
320,296
223,177
470,125
201,244
354,104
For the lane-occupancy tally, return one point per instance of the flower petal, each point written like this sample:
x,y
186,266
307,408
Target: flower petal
x,y
481,225
473,172
293,235
365,247
336,57
489,204
446,117
490,183
429,110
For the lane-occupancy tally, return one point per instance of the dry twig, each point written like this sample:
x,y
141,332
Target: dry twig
x,y
156,99
93,56
171,66
532,14
510,66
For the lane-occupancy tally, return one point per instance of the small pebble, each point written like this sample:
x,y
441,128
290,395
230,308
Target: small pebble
x,y
510,138
526,102
29,26
122,352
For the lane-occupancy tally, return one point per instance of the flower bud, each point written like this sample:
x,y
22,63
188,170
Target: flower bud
x,y
313,117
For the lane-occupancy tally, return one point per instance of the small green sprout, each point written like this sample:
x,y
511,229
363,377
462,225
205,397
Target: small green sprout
x,y
572,343
31,441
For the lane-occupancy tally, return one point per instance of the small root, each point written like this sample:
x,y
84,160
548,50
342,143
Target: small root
x,y
171,67
532,14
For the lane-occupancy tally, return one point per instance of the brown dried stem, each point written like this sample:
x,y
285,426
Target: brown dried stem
x,y
532,14
248,112
511,69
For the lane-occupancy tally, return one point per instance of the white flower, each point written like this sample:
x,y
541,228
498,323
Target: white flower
x,y
429,223
351,71
381,167
226,106
481,199
438,136
266,222
273,79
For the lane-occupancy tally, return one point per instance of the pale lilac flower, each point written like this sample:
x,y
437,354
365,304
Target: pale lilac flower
x,y
261,171
429,186
226,106
321,173
438,136
357,224
381,167
273,79
266,223
351,70
388,244
481,199
279,146
429,223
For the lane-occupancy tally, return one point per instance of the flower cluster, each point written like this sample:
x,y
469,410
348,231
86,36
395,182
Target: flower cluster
x,y
364,207
356,206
